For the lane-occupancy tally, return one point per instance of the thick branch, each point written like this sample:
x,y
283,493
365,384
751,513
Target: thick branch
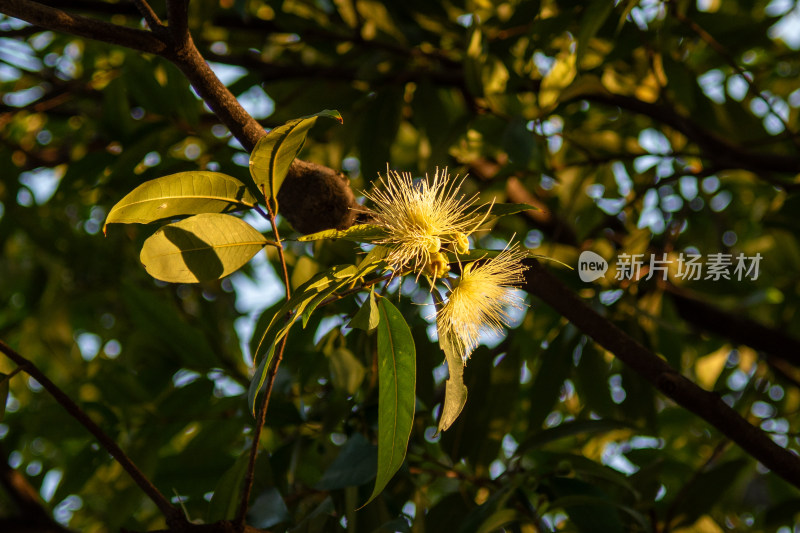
x,y
214,93
55,19
705,404
177,18
724,153
173,515
31,511
736,328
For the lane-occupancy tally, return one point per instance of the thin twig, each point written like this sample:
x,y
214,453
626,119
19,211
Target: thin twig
x,y
723,52
707,405
58,20
149,15
239,522
173,516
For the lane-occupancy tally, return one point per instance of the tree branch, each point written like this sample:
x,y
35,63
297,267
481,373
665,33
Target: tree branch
x,y
31,511
178,19
241,515
149,15
173,516
55,19
705,404
724,153
735,327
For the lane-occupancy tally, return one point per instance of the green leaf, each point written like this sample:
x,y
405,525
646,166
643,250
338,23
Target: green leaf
x,y
347,372
589,509
571,429
557,79
357,233
455,392
227,492
185,193
593,19
343,277
286,316
274,153
201,248
702,492
368,317
355,465
346,276
4,379
397,383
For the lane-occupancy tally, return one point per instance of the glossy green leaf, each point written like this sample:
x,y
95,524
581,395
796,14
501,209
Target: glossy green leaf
x,y
227,493
343,277
355,465
368,316
201,248
357,233
347,372
268,510
397,383
283,320
347,276
185,193
586,505
274,153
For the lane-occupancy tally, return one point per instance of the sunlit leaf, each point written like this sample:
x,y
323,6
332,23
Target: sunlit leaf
x,y
357,233
274,153
557,79
397,383
283,320
185,193
368,315
201,248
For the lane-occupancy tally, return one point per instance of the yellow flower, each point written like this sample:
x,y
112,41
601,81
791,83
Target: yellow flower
x,y
420,218
479,299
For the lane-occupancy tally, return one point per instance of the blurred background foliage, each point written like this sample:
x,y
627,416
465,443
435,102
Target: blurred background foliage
x,y
638,127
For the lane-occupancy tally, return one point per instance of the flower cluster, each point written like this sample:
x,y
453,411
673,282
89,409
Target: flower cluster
x,y
422,220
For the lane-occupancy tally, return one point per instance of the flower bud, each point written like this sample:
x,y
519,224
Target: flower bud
x,y
434,244
462,243
437,266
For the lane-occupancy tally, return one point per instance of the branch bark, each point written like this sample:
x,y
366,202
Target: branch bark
x,y
32,513
705,404
173,515
58,20
724,153
737,328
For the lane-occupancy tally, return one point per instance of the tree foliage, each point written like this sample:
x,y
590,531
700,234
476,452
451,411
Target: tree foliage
x,y
648,399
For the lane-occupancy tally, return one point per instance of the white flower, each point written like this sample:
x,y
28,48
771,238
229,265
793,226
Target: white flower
x,y
420,218
479,299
